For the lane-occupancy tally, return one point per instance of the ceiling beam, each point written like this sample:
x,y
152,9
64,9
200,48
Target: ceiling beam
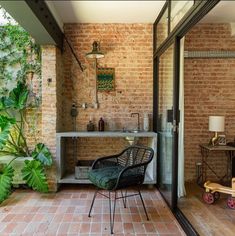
x,y
35,17
42,12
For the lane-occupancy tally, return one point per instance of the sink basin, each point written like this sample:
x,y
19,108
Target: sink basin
x,y
131,140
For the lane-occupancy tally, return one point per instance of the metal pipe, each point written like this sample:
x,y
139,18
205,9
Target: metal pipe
x,y
96,94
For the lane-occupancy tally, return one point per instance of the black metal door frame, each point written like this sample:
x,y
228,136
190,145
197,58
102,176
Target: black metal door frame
x,y
196,13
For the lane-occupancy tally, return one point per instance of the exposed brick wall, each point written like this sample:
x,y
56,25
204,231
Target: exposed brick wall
x,y
51,68
128,49
59,91
209,90
33,126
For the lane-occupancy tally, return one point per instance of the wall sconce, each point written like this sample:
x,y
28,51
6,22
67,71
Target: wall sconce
x,y
216,124
95,54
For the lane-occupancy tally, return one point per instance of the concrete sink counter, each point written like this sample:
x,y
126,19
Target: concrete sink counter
x,y
63,177
107,134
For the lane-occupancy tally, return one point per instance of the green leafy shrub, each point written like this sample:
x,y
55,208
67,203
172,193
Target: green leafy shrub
x,y
13,142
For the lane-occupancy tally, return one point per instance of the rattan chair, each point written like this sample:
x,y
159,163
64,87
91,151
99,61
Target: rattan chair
x,y
119,172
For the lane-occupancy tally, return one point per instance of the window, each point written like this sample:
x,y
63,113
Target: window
x,y
178,11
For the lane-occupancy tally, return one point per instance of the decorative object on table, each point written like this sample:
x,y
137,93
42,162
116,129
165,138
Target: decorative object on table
x,y
146,122
95,54
222,139
101,124
213,190
90,126
105,79
216,124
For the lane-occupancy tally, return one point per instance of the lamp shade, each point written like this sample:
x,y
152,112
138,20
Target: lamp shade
x,y
216,123
95,53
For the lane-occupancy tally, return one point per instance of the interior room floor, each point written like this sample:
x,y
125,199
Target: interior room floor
x,y
208,220
65,213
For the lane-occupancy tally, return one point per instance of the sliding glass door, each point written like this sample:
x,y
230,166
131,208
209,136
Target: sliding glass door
x,y
166,126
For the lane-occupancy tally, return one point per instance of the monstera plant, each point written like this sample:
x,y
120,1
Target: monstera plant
x,y
14,143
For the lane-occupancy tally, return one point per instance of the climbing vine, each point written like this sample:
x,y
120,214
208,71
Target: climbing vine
x,y
20,58
20,62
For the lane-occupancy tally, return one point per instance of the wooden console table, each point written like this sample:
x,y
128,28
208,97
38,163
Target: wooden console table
x,y
205,152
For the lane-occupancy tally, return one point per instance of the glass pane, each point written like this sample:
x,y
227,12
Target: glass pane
x,y
165,112
161,32
178,10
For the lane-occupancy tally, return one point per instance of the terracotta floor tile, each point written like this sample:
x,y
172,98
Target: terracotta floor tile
x,y
68,217
38,217
172,228
139,228
105,228
136,217
149,228
8,218
128,228
31,228
63,228
53,228
134,210
127,218
42,228
9,228
95,228
85,228
96,217
161,227
85,218
74,228
20,227
66,213
70,209
77,218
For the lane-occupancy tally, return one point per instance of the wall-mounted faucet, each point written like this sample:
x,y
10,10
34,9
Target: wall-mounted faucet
x,y
138,116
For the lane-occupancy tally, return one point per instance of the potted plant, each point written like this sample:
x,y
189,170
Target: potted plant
x,y
14,143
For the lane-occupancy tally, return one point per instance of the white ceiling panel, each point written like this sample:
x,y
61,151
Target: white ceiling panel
x,y
106,11
223,12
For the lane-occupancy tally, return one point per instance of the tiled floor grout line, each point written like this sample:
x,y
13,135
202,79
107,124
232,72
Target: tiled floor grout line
x,y
65,213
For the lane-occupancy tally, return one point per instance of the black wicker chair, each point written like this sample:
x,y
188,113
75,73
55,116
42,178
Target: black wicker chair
x,y
119,172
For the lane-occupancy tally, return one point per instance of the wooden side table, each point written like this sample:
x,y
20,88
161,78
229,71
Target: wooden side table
x,y
205,152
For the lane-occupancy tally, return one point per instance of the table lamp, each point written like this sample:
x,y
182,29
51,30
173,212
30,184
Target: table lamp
x,y
216,124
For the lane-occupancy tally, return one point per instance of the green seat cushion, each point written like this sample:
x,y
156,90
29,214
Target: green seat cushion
x,y
105,178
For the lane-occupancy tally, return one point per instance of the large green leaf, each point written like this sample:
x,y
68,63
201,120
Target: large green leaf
x,y
6,124
34,175
2,103
18,97
6,176
42,154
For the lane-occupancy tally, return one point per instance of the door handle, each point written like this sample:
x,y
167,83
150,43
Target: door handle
x,y
175,126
